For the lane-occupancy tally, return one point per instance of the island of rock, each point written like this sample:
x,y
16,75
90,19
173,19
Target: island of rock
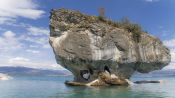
x,y
99,51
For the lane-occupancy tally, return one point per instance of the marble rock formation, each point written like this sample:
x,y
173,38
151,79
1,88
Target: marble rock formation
x,y
88,45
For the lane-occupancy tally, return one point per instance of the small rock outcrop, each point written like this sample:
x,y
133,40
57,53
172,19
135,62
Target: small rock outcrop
x,y
4,77
89,45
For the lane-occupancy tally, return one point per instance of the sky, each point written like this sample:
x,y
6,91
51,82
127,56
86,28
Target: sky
x,y
24,26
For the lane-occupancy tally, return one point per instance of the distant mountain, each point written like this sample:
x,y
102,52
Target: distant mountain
x,y
33,71
158,73
44,72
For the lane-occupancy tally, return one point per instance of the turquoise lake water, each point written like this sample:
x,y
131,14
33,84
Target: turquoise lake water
x,y
54,87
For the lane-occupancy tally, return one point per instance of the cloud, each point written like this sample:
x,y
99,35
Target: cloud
x,y
9,41
173,55
10,10
33,46
170,43
43,41
33,51
4,20
151,0
38,35
170,66
38,31
25,62
9,34
18,59
28,50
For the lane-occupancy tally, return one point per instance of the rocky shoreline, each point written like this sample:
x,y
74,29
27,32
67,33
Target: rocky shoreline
x,y
105,79
4,77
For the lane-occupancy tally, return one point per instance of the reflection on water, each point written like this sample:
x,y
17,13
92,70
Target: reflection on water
x,y
54,87
164,90
110,92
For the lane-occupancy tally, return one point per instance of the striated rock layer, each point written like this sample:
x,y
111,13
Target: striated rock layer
x,y
87,46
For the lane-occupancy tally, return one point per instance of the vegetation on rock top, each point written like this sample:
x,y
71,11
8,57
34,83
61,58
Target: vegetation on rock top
x,y
77,19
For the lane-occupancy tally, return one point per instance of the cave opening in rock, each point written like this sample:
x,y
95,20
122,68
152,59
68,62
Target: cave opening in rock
x,y
106,68
85,74
91,71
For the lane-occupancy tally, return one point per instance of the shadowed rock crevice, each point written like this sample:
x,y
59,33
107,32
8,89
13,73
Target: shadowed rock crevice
x,y
101,52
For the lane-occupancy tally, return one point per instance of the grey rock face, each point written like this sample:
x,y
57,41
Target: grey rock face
x,y
86,46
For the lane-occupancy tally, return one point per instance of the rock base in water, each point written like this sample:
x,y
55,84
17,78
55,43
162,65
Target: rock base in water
x,y
104,79
150,81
